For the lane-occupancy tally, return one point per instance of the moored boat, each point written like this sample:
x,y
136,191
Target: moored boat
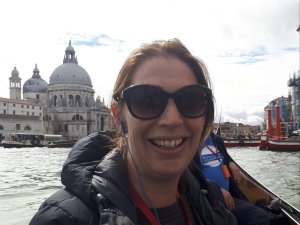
x,y
273,139
62,144
23,140
289,144
241,142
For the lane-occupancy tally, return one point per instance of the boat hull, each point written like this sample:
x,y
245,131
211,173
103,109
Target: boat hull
x,y
20,145
62,144
283,146
27,140
241,143
288,145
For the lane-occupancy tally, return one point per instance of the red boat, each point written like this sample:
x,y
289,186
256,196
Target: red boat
x,y
274,140
241,142
289,144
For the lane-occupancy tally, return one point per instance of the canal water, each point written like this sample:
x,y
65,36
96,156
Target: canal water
x,y
29,176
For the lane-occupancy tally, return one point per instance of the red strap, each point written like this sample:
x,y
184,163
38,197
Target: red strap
x,y
214,153
150,216
187,215
143,207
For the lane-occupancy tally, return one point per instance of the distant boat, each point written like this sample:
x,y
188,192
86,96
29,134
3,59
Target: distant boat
x,y
62,144
289,144
241,142
23,140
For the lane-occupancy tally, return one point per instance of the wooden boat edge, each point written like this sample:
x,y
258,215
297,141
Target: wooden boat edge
x,y
254,190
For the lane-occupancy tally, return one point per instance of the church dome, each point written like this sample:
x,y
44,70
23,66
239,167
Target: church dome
x,y
35,83
70,72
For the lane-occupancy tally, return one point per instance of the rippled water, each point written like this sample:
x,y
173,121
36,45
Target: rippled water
x,y
278,171
29,176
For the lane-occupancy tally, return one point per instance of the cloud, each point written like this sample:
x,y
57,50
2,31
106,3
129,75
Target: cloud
x,y
248,118
94,40
291,49
246,56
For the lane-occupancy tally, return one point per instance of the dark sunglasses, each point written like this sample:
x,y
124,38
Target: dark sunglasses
x,y
148,102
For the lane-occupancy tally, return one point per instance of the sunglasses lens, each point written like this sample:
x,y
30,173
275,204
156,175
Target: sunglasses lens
x,y
192,101
144,102
149,102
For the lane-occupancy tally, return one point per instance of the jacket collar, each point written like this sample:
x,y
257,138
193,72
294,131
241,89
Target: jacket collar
x,y
83,158
111,180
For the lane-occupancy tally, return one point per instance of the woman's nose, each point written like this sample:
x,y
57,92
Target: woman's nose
x,y
171,115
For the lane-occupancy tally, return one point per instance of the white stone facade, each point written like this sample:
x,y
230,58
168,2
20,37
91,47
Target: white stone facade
x,y
66,106
294,84
20,116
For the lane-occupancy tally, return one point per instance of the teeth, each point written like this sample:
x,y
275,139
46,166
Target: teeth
x,y
167,143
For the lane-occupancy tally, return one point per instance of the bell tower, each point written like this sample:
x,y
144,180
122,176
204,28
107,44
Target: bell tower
x,y
15,84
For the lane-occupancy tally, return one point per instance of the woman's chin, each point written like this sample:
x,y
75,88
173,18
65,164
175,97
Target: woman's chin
x,y
172,170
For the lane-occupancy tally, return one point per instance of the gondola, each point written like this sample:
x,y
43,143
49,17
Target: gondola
x,y
258,194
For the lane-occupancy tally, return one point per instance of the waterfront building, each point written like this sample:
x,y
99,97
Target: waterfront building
x,y
289,108
19,115
284,107
294,93
284,110
236,130
65,106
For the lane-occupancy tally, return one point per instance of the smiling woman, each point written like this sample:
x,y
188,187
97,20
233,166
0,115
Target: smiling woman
x,y
163,108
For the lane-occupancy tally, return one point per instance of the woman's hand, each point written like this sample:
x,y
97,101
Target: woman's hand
x,y
228,199
235,172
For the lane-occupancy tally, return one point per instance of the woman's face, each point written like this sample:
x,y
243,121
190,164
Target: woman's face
x,y
163,147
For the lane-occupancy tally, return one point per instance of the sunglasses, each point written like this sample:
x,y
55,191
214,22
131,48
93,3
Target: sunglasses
x,y
148,102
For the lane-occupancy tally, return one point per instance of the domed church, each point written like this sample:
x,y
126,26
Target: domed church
x,y
71,109
65,106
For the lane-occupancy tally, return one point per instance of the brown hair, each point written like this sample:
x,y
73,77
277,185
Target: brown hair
x,y
172,47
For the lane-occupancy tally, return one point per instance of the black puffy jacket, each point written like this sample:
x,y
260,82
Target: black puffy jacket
x,y
96,190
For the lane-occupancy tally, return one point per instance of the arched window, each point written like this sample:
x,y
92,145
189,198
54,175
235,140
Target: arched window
x,y
55,100
77,100
77,117
27,127
71,100
46,117
86,101
102,123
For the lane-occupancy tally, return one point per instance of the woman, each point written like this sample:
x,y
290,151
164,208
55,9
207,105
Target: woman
x,y
163,108
218,166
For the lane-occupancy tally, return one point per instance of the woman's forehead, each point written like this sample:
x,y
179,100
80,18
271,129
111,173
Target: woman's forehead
x,y
160,70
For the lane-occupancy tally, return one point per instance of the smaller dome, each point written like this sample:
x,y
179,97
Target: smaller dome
x,y
15,72
35,83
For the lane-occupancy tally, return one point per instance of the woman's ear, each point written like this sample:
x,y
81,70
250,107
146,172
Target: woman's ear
x,y
115,114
